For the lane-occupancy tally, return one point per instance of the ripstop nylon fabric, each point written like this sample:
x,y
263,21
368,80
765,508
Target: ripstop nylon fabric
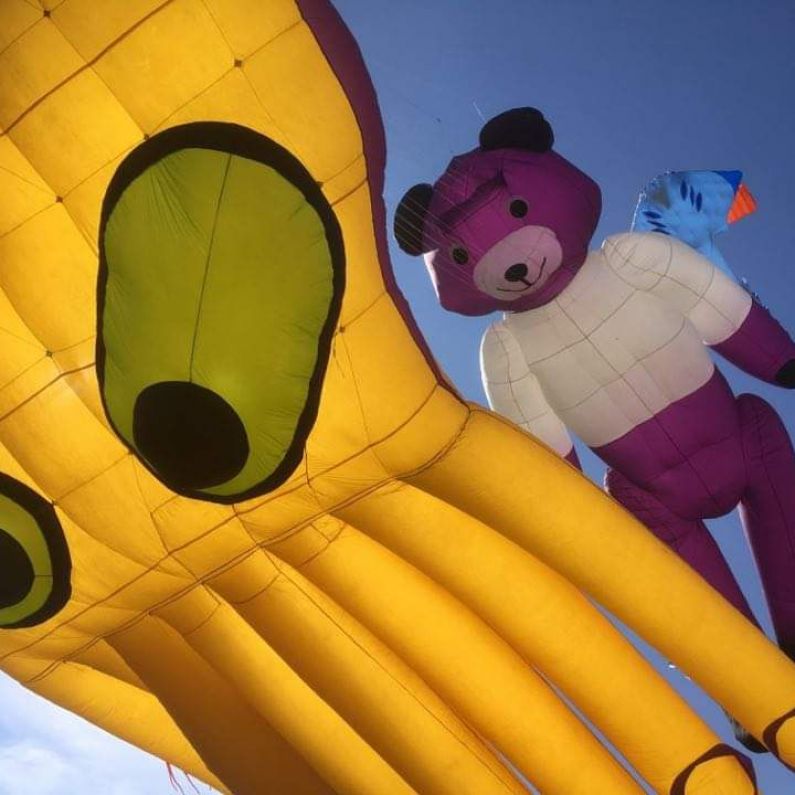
x,y
376,623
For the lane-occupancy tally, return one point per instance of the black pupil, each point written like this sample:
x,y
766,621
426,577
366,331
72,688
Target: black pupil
x,y
460,255
518,208
16,571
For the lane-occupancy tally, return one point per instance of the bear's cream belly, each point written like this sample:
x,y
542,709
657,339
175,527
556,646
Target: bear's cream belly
x,y
609,357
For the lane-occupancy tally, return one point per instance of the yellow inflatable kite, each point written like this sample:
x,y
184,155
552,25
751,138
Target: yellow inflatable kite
x,y
246,524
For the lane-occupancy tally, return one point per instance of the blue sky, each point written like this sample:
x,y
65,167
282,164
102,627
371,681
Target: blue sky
x,y
632,89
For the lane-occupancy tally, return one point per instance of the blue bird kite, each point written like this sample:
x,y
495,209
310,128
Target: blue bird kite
x,y
694,206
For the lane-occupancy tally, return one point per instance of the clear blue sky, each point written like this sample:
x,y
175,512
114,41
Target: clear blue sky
x,y
632,89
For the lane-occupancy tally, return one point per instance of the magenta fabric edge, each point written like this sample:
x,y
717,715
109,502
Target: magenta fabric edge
x,y
573,458
346,61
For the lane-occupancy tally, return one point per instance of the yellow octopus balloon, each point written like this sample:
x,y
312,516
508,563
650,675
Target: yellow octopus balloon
x,y
246,523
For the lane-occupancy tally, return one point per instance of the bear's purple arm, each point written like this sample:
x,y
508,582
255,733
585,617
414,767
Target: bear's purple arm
x,y
762,348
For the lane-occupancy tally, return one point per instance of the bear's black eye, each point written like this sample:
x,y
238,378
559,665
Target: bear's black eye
x,y
459,255
518,208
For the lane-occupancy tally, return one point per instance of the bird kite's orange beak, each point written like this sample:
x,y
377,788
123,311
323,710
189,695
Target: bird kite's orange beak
x,y
744,204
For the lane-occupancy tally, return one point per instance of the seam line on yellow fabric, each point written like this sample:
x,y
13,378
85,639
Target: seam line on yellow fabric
x,y
26,180
86,65
34,343
203,579
219,28
364,181
96,476
23,32
57,378
265,499
29,218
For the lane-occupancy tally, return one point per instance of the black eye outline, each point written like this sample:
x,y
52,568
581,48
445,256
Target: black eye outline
x,y
459,255
232,140
23,510
518,207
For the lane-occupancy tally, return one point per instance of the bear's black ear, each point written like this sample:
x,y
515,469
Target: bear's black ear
x,y
519,128
410,219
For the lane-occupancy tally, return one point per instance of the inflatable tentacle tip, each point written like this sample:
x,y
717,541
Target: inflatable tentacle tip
x,y
246,525
719,762
779,737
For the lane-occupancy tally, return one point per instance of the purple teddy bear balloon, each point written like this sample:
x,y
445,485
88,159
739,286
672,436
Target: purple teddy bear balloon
x,y
612,345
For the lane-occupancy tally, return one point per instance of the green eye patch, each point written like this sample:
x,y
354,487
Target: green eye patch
x,y
35,566
221,277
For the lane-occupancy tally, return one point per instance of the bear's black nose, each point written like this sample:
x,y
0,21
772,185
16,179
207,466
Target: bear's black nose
x,y
189,434
516,272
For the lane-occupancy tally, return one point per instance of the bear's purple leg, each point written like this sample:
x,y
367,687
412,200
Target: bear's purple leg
x,y
768,510
689,538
